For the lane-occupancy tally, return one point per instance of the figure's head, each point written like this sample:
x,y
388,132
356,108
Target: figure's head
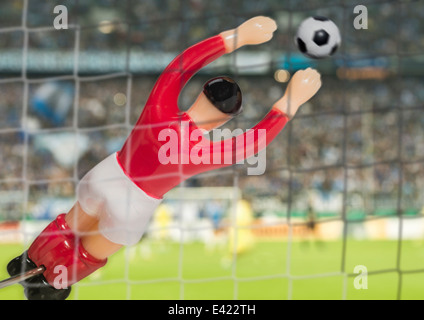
x,y
219,102
225,94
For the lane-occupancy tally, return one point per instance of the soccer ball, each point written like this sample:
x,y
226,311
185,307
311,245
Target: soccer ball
x,y
318,37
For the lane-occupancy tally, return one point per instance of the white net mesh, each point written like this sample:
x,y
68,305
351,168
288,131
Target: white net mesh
x,y
347,167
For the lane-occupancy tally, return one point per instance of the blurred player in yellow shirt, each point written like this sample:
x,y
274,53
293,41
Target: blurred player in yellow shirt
x,y
162,221
241,236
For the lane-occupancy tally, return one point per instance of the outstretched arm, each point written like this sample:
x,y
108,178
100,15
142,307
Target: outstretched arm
x,y
173,79
302,87
168,87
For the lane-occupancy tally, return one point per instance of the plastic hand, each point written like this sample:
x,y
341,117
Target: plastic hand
x,y
301,88
254,31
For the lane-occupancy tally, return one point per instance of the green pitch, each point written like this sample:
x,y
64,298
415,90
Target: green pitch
x,y
164,270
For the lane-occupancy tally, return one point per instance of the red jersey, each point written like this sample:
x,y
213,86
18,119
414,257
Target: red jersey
x,y
161,116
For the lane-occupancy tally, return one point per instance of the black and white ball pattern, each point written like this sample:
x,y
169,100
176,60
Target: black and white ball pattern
x,y
318,37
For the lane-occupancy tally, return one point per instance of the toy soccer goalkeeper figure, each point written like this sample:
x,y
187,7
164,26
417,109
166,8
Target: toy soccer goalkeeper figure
x,y
116,199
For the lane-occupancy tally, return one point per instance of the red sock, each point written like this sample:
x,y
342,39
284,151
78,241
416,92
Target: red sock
x,y
59,250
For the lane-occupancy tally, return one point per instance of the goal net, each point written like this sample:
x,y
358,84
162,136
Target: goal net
x,y
343,182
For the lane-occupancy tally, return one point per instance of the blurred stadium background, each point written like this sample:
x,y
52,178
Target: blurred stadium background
x,y
344,181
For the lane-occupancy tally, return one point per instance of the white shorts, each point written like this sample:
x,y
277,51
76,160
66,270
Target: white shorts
x,y
123,209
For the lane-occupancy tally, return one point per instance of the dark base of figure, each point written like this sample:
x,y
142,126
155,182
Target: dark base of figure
x,y
37,287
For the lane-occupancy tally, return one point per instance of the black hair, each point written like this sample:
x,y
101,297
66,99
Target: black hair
x,y
225,94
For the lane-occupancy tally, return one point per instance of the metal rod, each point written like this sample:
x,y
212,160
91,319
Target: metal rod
x,y
21,277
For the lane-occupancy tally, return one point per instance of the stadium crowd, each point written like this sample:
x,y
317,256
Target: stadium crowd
x,y
373,128
340,128
168,25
